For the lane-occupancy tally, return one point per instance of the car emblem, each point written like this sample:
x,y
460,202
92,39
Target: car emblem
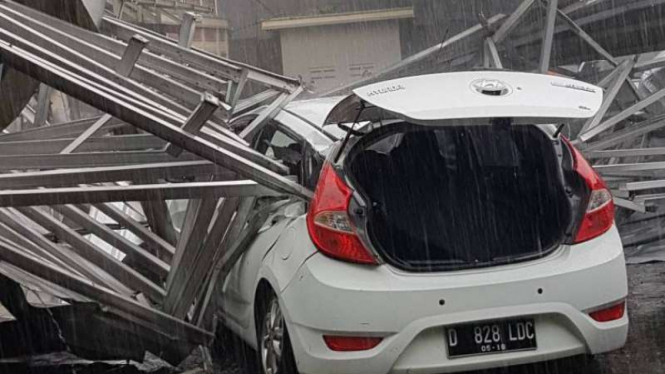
x,y
491,87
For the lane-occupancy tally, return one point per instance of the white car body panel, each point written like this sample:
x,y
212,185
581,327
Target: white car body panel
x,y
274,256
405,309
321,295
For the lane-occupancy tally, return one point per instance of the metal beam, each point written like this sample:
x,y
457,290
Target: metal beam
x,y
629,132
627,204
630,167
622,116
128,276
212,64
649,65
206,108
187,29
79,160
151,317
154,61
619,153
95,59
493,53
253,102
145,173
43,105
268,114
610,95
575,28
131,55
238,90
58,131
13,236
111,90
64,255
609,78
159,219
99,194
512,20
76,143
74,86
548,35
118,6
116,240
164,248
642,185
192,238
230,239
95,144
192,234
187,290
174,5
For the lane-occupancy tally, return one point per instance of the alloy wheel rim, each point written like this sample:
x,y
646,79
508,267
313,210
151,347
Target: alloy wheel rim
x,y
272,338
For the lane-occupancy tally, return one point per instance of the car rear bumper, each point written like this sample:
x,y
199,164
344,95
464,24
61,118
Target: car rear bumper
x,y
412,310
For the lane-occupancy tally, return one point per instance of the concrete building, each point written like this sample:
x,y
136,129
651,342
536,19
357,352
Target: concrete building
x,y
165,17
324,50
327,43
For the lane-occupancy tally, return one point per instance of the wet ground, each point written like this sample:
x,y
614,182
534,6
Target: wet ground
x,y
643,354
645,350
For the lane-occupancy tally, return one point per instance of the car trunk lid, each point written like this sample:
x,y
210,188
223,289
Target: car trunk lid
x,y
466,98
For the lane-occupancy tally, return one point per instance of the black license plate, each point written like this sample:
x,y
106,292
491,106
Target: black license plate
x,y
491,337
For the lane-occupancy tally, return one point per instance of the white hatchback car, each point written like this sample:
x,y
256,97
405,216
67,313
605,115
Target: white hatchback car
x,y
452,230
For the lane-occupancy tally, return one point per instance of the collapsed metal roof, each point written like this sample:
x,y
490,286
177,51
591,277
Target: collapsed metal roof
x,y
162,134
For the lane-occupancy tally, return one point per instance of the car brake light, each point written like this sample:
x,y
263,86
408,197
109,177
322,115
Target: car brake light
x,y
328,222
612,313
599,212
350,343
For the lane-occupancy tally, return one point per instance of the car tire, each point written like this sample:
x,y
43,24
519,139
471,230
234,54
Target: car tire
x,y
274,353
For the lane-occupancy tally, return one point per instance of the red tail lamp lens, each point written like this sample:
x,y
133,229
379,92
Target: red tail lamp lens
x,y
350,343
612,313
599,212
328,222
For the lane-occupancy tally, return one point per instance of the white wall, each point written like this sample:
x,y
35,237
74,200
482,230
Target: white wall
x,y
328,56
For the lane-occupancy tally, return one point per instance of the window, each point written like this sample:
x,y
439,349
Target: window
x,y
278,145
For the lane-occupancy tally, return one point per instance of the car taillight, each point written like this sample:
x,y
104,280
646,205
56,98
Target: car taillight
x,y
599,212
328,222
350,343
612,313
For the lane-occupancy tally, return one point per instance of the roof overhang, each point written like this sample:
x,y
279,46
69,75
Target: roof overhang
x,y
469,97
337,19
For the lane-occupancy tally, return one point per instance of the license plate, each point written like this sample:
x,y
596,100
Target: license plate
x,y
491,337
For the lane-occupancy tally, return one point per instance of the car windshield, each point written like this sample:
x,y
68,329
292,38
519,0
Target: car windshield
x,y
332,186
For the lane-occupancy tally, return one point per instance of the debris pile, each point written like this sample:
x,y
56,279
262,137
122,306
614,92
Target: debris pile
x,y
69,188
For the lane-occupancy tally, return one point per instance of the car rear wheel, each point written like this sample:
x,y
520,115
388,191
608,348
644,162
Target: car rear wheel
x,y
275,354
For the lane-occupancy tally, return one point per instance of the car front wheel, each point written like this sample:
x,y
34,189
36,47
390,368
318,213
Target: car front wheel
x,y
275,354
